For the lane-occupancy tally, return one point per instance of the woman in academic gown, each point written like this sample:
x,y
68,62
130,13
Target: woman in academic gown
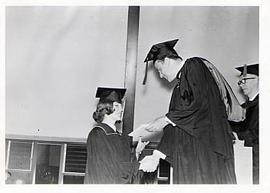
x,y
109,157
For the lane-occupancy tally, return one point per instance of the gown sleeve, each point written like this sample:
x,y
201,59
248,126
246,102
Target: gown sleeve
x,y
167,142
188,98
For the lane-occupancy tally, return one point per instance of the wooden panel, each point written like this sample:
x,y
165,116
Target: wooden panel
x,y
131,64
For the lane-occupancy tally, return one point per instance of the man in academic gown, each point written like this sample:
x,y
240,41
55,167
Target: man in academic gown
x,y
197,139
248,130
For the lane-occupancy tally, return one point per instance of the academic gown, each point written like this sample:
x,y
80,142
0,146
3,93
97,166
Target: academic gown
x,y
248,130
109,158
200,146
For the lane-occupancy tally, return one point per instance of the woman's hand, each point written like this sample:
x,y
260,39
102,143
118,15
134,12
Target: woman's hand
x,y
141,145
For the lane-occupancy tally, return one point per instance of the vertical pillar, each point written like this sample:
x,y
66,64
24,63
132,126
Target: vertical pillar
x,y
131,65
33,161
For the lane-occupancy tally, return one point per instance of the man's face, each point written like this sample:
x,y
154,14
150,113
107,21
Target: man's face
x,y
248,83
165,69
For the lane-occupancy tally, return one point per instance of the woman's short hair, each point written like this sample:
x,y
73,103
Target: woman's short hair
x,y
102,109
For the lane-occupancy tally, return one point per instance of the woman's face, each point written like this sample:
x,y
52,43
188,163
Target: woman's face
x,y
118,111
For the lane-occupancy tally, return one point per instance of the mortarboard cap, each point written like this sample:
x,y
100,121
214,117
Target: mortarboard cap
x,y
249,69
159,52
110,94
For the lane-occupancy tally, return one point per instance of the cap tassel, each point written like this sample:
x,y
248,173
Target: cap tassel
x,y
145,75
245,71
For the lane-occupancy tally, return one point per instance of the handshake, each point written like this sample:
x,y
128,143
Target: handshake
x,y
151,162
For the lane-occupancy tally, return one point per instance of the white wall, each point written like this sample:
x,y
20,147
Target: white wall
x,y
55,59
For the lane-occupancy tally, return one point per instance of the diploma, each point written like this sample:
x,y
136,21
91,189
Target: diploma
x,y
143,133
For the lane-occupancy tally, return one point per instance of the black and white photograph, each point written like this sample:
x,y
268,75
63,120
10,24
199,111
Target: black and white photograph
x,y
139,94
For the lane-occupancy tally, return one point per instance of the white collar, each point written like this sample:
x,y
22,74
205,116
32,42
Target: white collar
x,y
110,125
181,64
252,98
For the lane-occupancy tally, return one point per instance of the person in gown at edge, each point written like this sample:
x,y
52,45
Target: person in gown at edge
x,y
197,138
248,130
109,158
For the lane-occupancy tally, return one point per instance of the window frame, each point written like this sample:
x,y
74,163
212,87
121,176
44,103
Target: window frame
x,y
33,158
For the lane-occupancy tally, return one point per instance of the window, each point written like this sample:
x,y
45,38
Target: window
x,y
75,164
29,162
19,156
76,156
44,162
48,163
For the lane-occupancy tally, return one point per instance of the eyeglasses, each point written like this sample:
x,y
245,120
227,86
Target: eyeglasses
x,y
243,81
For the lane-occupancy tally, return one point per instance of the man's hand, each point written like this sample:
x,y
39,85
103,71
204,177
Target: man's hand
x,y
157,125
149,163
